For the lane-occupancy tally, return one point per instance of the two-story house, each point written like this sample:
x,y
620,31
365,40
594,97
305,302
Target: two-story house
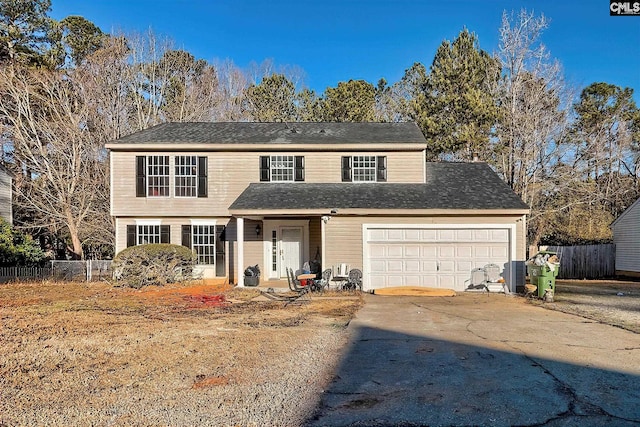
x,y
281,194
6,206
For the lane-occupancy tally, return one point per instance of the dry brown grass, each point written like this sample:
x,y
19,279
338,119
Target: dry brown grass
x,y
92,354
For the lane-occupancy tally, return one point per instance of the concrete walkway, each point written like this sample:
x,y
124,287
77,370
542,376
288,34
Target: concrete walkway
x,y
479,359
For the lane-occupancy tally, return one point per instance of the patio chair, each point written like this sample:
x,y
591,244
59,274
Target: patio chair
x,y
297,292
354,280
492,279
477,280
294,284
323,282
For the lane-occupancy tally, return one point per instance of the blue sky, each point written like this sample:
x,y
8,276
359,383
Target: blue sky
x,y
338,40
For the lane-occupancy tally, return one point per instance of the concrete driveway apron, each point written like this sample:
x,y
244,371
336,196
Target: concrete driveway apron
x,y
481,359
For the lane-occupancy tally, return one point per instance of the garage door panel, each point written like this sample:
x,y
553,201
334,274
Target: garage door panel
x,y
395,251
429,251
412,251
499,235
447,266
447,251
430,266
464,251
377,251
395,266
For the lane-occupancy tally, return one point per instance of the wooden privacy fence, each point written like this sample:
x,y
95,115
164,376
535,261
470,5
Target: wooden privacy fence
x,y
585,261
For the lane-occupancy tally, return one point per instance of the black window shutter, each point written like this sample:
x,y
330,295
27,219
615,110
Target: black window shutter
x,y
141,176
346,169
202,177
381,162
131,235
165,234
265,173
299,168
186,236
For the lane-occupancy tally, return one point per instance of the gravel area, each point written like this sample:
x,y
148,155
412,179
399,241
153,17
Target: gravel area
x,y
94,355
615,303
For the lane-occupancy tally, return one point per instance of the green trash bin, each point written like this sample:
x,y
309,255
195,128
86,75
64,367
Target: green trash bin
x,y
543,276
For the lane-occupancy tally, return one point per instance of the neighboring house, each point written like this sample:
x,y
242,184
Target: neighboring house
x,y
278,195
626,237
6,206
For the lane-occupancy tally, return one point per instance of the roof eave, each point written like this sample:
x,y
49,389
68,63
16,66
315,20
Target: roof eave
x,y
379,212
266,146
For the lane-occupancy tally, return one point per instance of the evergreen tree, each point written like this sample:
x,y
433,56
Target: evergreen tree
x,y
459,109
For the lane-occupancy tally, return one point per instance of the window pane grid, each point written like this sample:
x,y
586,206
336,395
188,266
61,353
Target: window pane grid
x,y
186,176
148,234
203,240
282,168
158,176
364,168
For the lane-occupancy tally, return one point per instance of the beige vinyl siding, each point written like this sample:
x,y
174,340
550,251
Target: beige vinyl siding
x,y
626,236
6,211
344,235
229,173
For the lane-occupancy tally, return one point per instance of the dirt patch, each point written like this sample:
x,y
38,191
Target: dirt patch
x,y
615,303
92,354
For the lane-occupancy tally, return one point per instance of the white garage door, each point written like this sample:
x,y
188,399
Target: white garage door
x,y
432,257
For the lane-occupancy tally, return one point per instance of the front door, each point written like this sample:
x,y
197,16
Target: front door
x,y
290,249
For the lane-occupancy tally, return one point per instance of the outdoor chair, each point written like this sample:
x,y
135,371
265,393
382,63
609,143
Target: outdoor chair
x,y
492,279
477,280
354,280
323,282
297,291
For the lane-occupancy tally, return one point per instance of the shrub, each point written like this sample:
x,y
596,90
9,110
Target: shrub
x,y
17,248
155,264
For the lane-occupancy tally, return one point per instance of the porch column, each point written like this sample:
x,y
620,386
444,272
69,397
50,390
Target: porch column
x,y
323,241
240,239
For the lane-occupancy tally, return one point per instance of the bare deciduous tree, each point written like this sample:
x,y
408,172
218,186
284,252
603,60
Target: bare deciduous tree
x,y
61,166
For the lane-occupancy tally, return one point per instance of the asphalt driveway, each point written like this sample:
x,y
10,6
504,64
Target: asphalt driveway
x,y
479,359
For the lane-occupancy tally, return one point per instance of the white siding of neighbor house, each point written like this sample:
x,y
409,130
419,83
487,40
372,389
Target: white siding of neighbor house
x,y
626,236
6,211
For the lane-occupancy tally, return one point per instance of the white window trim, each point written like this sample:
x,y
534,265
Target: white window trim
x,y
148,222
292,169
353,168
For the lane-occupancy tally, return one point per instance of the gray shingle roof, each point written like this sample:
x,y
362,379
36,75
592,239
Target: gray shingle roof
x,y
257,133
448,186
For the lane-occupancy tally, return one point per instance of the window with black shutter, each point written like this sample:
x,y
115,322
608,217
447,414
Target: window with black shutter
x,y
381,164
346,169
299,168
186,236
165,234
141,176
265,168
131,235
202,177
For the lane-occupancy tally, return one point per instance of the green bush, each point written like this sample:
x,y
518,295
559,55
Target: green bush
x,y
16,248
155,264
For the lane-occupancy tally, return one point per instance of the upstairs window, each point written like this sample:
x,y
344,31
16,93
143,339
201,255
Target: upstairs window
x,y
158,176
281,168
186,176
189,176
364,169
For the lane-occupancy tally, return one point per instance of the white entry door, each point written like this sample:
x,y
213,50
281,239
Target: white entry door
x,y
290,249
